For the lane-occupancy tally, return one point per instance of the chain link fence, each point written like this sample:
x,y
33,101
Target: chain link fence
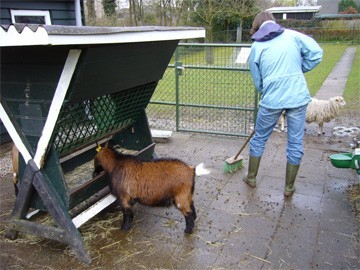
x,y
206,88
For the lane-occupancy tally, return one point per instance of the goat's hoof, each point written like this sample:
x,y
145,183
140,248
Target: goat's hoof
x,y
126,228
188,231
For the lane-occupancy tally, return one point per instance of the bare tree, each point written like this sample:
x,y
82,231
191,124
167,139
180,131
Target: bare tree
x,y
172,12
208,10
239,10
136,12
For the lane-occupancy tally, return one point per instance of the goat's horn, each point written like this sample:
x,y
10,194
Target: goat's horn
x,y
98,147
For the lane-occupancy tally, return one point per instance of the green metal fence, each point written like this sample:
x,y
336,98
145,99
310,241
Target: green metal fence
x,y
206,88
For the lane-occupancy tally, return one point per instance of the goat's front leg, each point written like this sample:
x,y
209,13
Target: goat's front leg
x,y
97,168
128,217
128,214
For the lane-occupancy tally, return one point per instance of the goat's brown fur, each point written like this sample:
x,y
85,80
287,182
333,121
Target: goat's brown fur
x,y
153,183
15,167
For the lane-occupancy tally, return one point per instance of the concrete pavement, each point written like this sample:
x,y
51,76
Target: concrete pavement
x,y
258,228
238,227
335,83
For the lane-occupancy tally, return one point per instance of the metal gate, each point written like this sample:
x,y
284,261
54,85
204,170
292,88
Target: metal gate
x,y
207,88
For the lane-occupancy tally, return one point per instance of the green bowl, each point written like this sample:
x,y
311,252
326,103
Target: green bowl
x,y
342,160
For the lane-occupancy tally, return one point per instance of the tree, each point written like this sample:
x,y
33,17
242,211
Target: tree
x,y
90,6
208,11
349,10
345,4
109,7
136,11
238,11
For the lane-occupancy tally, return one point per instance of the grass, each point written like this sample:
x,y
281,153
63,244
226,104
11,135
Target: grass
x,y
316,77
229,87
352,89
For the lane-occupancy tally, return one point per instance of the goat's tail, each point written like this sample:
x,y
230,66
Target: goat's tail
x,y
201,169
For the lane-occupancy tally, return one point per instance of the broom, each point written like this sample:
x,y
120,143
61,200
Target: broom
x,y
232,164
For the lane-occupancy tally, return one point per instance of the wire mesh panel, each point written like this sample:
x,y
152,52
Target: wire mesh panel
x,y
161,110
93,119
208,88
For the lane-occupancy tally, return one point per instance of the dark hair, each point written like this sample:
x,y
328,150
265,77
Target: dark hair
x,y
259,19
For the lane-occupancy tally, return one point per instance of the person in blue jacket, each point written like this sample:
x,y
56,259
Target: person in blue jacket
x,y
278,59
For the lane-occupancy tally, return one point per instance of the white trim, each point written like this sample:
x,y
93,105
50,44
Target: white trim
x,y
14,135
36,13
78,13
125,37
294,9
93,210
44,36
55,106
27,37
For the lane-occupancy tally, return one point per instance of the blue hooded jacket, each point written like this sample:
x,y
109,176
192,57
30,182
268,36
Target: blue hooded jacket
x,y
278,59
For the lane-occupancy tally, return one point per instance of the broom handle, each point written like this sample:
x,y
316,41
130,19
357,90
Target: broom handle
x,y
246,142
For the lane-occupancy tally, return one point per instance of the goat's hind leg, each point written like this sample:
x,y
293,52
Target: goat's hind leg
x,y
193,211
190,223
190,219
185,204
189,213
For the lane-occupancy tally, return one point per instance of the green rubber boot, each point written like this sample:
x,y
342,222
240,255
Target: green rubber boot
x,y
250,178
291,172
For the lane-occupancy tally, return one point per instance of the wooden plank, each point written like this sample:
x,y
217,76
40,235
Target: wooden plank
x,y
56,105
42,230
93,210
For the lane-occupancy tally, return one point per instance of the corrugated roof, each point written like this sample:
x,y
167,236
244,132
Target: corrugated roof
x,y
30,34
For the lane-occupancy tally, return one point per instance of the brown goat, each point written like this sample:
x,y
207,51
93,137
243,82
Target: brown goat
x,y
15,166
154,183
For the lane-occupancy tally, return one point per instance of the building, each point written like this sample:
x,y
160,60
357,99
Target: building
x,y
295,13
62,12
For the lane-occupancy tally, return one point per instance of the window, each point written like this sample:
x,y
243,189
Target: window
x,y
30,16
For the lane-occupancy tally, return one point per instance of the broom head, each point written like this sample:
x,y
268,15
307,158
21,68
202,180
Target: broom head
x,y
232,165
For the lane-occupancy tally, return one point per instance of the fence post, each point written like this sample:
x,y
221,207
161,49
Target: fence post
x,y
177,63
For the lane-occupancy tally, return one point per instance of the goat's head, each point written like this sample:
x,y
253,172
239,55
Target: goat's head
x,y
105,159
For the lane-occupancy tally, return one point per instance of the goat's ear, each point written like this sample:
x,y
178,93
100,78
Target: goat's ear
x,y
110,143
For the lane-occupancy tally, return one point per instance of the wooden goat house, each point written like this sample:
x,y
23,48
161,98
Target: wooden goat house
x,y
157,182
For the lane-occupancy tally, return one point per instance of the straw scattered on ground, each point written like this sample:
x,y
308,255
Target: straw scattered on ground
x,y
354,197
